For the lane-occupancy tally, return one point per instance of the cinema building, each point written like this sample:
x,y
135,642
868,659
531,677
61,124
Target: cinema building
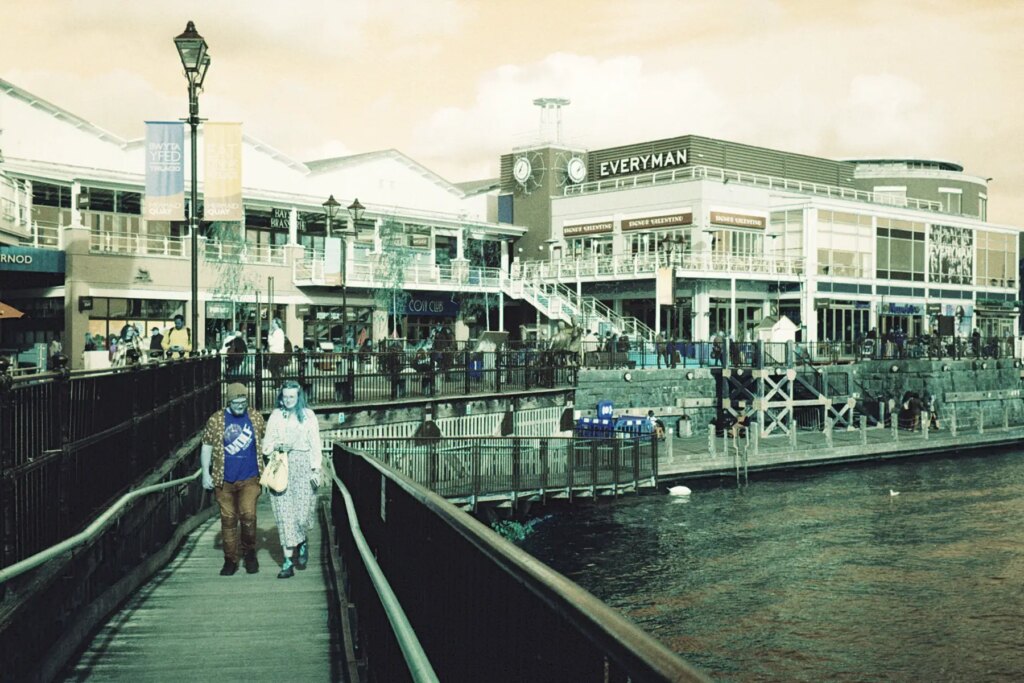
x,y
695,236
77,256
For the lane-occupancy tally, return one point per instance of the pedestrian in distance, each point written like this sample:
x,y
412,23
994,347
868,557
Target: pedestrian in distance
x,y
293,430
231,469
276,346
178,340
156,343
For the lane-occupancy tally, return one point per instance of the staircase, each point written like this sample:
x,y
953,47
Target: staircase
x,y
558,302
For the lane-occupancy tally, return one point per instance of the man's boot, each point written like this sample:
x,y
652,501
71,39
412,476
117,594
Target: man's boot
x,y
230,543
248,533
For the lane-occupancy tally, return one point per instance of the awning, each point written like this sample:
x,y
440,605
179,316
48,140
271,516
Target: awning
x,y
7,311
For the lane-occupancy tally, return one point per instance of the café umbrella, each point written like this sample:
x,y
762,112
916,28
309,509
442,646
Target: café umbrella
x,y
7,311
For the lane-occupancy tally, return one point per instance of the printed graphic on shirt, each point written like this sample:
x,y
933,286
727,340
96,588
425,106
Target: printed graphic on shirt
x,y
237,438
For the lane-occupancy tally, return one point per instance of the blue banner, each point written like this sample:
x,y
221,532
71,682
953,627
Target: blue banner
x,y
31,259
165,171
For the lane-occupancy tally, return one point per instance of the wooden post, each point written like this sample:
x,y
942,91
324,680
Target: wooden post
x,y
757,441
668,442
894,420
863,430
952,422
881,415
1006,415
981,420
828,432
711,440
792,433
926,419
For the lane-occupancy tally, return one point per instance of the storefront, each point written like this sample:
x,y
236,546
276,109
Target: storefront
x,y
907,317
843,320
995,318
28,278
424,312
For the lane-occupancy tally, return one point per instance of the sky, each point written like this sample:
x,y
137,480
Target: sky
x,y
451,82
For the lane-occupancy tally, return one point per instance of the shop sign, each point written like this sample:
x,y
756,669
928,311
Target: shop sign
x,y
737,220
218,309
904,309
934,309
419,241
584,229
643,162
653,222
431,306
280,219
997,305
31,260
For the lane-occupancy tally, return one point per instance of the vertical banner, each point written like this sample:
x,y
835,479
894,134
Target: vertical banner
x,y
222,183
665,287
165,171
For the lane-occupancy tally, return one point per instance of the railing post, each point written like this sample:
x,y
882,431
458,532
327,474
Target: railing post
x,y
258,376
981,419
1006,416
516,465
924,424
711,440
894,421
828,432
863,430
668,443
952,422
474,454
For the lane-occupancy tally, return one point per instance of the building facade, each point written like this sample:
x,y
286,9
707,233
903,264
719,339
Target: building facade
x,y
694,236
77,256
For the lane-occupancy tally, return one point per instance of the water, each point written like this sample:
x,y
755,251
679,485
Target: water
x,y
818,575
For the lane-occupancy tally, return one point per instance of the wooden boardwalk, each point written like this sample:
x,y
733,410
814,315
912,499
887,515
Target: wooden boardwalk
x,y
191,624
691,456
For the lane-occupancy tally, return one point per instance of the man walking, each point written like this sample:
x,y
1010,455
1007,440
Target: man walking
x,y
231,447
178,340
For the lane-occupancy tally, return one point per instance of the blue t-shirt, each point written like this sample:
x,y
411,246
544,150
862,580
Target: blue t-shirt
x,y
239,448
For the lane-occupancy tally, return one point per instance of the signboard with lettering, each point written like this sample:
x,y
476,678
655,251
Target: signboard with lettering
x,y
439,306
904,309
280,219
671,220
31,260
584,229
737,220
642,163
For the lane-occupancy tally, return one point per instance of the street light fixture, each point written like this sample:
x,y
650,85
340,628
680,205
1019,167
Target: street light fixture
x,y
355,212
195,59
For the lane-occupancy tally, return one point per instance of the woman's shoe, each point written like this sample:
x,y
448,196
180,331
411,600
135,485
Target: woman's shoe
x,y
287,570
302,555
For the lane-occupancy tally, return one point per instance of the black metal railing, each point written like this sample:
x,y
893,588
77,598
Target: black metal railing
x,y
70,443
345,378
483,609
474,468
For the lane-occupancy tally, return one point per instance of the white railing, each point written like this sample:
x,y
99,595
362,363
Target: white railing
x,y
44,235
690,173
370,273
137,245
648,264
243,252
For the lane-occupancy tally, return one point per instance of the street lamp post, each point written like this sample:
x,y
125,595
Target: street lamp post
x,y
355,212
331,207
195,59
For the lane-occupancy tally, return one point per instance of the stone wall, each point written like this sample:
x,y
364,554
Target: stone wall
x,y
670,393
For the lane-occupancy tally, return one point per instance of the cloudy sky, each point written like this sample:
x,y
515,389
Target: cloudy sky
x,y
450,82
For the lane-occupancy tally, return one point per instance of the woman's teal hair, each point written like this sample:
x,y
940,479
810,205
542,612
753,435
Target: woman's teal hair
x,y
300,404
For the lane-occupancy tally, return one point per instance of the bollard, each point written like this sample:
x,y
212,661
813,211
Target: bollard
x,y
757,440
894,420
711,439
828,432
792,433
924,425
1006,416
668,442
863,430
952,422
981,420
881,415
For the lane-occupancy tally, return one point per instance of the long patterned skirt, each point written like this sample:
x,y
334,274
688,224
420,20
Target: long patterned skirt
x,y
295,506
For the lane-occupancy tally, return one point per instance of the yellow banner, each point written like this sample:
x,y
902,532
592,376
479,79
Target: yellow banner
x,y
665,287
222,183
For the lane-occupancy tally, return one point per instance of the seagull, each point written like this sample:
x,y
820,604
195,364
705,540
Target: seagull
x,y
893,493
679,491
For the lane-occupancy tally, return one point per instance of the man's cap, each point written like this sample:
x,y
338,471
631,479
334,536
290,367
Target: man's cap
x,y
237,390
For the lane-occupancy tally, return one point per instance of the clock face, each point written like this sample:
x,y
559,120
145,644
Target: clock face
x,y
521,170
577,170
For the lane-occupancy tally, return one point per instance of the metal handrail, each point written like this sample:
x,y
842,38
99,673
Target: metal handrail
x,y
18,568
419,665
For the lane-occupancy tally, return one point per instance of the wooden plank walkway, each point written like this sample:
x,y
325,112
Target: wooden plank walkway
x,y
191,624
690,456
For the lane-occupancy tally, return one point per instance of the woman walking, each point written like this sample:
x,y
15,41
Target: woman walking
x,y
292,429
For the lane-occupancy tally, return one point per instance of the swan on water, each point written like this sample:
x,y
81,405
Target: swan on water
x,y
893,493
679,491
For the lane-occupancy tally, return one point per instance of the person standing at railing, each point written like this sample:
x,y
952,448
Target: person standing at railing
x,y
276,346
293,429
156,343
178,340
231,469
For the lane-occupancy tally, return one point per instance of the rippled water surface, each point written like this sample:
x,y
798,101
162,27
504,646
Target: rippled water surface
x,y
818,575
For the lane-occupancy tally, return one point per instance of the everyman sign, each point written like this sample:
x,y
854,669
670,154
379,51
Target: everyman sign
x,y
643,162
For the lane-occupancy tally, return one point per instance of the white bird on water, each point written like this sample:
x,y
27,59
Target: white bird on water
x,y
893,493
679,491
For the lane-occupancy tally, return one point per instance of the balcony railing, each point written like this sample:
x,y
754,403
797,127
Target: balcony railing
x,y
754,179
137,245
243,252
370,273
648,264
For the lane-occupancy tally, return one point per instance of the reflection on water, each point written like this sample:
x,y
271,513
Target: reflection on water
x,y
819,575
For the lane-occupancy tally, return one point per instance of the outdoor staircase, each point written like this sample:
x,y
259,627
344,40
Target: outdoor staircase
x,y
559,302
